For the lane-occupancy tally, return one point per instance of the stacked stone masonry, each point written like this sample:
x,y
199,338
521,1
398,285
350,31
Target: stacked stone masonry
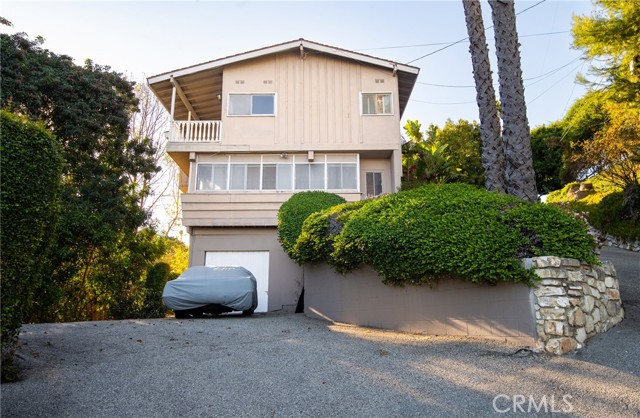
x,y
573,301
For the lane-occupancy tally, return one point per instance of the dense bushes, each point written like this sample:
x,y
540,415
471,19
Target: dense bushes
x,y
608,208
455,230
295,210
30,164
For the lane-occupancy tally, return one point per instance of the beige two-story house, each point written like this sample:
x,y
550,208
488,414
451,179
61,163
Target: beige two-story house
x,y
249,130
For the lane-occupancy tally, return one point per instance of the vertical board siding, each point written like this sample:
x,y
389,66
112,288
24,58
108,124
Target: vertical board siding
x,y
318,102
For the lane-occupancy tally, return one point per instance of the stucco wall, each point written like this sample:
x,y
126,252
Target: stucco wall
x,y
570,303
450,307
285,277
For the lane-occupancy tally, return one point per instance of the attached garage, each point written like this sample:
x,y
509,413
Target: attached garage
x,y
257,262
257,249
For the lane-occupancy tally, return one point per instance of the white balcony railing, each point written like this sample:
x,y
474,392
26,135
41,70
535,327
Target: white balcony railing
x,y
196,131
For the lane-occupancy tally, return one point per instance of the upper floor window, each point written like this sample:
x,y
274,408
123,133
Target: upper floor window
x,y
377,104
252,105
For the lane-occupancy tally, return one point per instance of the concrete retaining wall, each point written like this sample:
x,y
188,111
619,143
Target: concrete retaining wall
x,y
572,302
450,307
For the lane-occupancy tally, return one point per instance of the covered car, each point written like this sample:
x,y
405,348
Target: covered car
x,y
212,290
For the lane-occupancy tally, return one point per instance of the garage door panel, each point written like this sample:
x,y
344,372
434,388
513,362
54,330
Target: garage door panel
x,y
257,262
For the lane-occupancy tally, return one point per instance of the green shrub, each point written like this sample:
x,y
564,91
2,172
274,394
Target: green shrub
x,y
606,207
30,166
608,217
315,241
294,211
454,230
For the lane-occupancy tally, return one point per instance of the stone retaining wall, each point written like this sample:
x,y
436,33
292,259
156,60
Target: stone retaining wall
x,y
612,241
573,301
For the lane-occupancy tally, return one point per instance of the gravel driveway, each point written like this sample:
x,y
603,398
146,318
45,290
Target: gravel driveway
x,y
290,365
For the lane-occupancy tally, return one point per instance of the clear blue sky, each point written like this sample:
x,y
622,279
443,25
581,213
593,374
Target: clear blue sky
x,y
146,38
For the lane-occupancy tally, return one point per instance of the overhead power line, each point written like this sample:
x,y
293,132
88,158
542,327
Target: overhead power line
x,y
545,75
464,39
540,77
530,35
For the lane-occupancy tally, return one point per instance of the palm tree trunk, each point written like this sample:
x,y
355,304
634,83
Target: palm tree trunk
x,y
492,149
516,136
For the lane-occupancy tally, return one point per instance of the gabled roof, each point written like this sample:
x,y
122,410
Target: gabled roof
x,y
200,90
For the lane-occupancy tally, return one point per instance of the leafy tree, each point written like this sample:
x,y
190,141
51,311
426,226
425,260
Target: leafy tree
x,y
548,150
425,160
441,155
30,168
610,38
519,174
492,147
464,145
88,109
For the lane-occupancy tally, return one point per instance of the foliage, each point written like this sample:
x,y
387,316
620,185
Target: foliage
x,y
30,166
614,151
464,147
609,208
455,230
102,235
315,241
610,38
294,211
613,216
173,262
548,150
176,256
425,160
157,277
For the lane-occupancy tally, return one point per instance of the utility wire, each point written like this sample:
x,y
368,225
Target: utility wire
x,y
446,43
464,39
546,75
541,76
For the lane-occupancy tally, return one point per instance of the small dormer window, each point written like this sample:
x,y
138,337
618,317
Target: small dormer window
x,y
252,105
377,104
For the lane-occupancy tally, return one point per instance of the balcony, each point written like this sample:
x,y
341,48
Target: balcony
x,y
195,131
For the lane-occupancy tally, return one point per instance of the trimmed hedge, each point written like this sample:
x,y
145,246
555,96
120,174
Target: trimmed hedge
x,y
455,230
30,166
294,211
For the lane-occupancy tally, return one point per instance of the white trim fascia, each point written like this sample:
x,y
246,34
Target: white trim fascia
x,y
280,48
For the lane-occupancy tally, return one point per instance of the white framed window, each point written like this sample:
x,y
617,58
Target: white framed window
x,y
244,177
377,103
341,176
277,176
336,172
211,177
257,104
310,176
373,183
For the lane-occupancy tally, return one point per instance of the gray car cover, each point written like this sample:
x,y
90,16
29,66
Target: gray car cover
x,y
231,286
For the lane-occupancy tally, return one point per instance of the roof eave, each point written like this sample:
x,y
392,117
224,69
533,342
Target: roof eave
x,y
280,48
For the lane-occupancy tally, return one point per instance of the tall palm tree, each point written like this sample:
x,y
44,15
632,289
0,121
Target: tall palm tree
x,y
492,149
516,136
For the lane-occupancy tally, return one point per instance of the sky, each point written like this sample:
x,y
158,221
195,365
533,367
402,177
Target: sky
x,y
141,39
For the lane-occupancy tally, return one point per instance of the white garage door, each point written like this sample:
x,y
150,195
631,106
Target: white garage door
x,y
257,262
